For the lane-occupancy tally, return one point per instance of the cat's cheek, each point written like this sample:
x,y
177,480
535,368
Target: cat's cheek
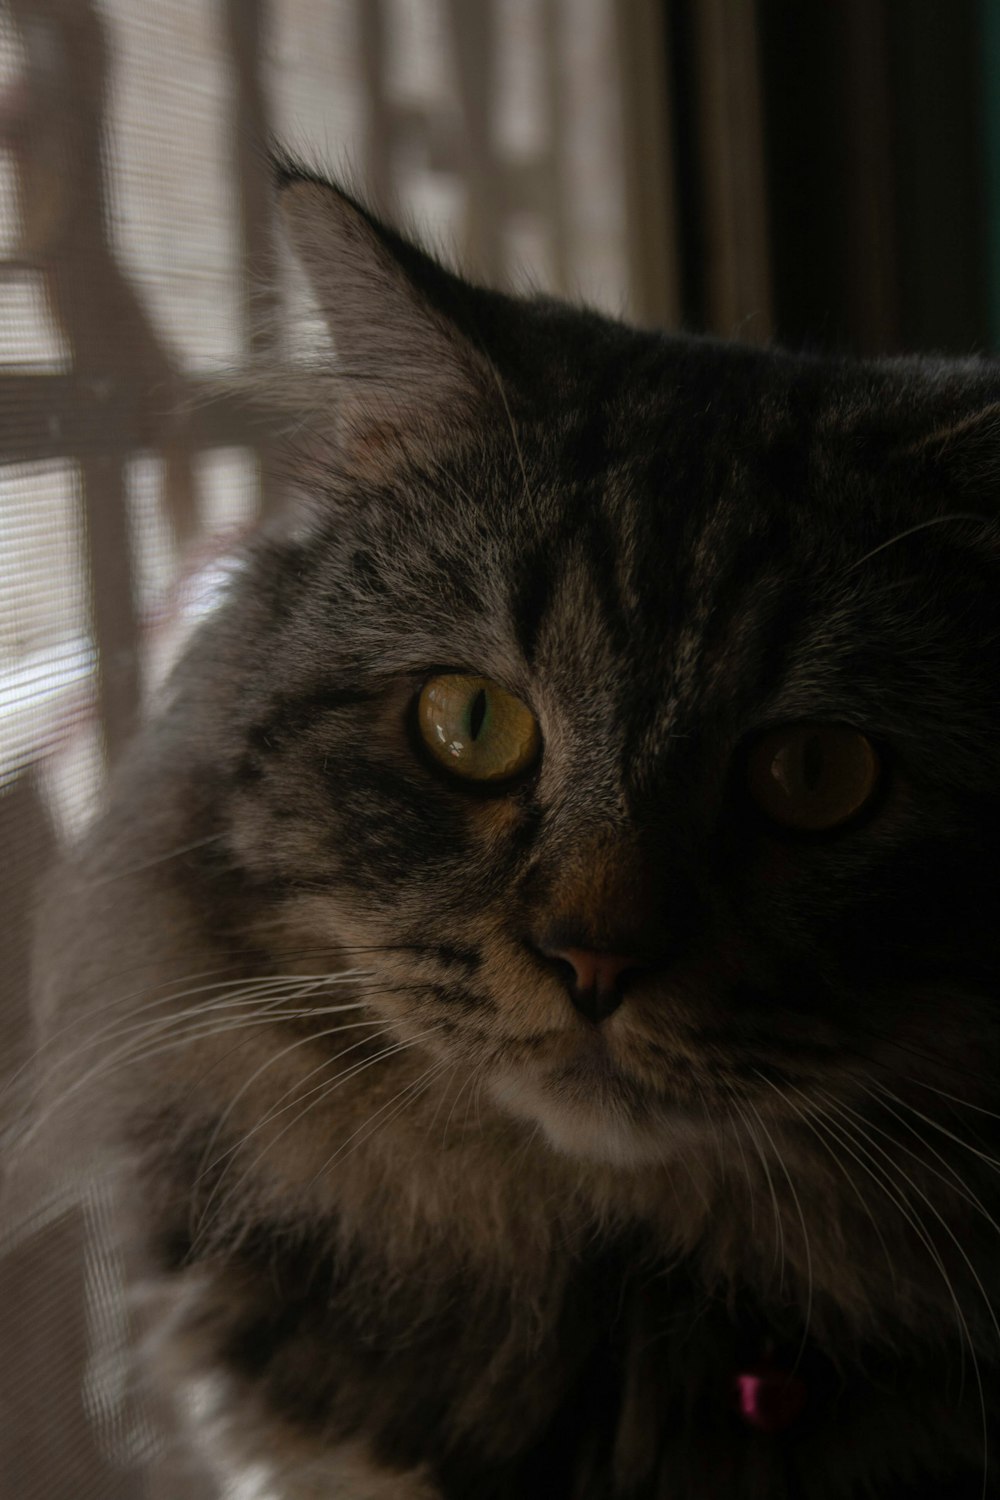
x,y
496,821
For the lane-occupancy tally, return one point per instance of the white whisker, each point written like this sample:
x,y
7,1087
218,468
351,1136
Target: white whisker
x,y
802,1221
249,988
403,1094
920,1229
322,1094
180,1033
960,515
295,1089
810,1125
954,1179
779,1236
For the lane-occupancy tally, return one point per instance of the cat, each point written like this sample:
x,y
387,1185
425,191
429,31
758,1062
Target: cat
x,y
538,965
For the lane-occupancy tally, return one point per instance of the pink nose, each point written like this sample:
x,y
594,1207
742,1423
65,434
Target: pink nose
x,y
595,978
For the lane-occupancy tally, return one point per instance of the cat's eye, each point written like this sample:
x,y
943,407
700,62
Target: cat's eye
x,y
813,777
476,729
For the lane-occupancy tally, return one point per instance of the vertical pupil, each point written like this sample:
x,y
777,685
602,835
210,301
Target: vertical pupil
x,y
812,762
477,713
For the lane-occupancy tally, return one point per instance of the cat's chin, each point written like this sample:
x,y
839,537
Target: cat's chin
x,y
607,1132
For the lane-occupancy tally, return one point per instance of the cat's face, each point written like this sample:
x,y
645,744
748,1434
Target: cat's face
x,y
616,728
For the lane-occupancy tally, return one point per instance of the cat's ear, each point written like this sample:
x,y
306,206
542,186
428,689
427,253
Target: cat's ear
x,y
405,371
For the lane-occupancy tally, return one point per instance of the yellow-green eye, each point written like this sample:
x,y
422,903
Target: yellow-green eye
x,y
476,729
813,777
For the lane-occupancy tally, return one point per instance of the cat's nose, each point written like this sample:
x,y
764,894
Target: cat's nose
x,y
595,980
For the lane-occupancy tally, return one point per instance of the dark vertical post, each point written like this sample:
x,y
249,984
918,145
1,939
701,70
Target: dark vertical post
x,y
738,271
650,189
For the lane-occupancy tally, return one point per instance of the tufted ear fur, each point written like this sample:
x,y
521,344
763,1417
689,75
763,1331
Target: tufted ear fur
x,y
406,373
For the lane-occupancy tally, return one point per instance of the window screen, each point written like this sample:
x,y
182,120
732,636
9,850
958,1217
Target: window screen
x,y
140,281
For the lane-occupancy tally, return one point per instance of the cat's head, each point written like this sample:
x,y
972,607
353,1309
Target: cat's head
x,y
627,702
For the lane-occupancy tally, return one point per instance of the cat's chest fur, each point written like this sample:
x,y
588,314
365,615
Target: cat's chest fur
x,y
584,1359
607,1376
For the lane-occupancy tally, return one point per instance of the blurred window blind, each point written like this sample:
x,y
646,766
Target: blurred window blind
x,y
138,276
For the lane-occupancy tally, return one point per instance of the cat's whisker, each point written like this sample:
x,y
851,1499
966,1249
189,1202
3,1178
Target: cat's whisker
x,y
983,1156
311,1013
225,1059
802,1221
85,1018
331,1086
737,1135
237,963
953,1180
848,1141
859,1134
808,1119
34,1122
137,1050
190,1024
264,995
321,1095
101,1035
406,1096
404,1093
479,1096
958,515
235,969
865,1127
454,1103
779,1230
198,1228
978,1109
161,859
296,1089
473,1096
441,1099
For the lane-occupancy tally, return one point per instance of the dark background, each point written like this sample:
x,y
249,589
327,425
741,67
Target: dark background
x,y
877,148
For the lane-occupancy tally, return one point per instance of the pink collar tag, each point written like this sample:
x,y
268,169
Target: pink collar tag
x,y
769,1399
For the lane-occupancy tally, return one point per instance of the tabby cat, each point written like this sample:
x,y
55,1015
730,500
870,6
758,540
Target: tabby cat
x,y
539,965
